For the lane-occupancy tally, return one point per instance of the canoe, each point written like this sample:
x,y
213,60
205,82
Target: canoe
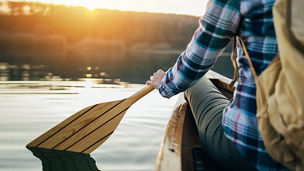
x,y
181,149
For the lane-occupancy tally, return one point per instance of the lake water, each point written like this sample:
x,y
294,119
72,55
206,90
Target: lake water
x,y
29,108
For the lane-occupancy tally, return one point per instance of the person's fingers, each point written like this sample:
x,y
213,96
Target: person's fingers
x,y
150,83
156,78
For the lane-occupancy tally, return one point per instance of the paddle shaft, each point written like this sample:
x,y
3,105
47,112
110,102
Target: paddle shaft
x,y
139,94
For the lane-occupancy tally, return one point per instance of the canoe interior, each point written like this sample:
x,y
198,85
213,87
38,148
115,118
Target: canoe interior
x,y
193,156
181,149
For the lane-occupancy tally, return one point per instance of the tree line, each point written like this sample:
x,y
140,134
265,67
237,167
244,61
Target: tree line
x,y
69,37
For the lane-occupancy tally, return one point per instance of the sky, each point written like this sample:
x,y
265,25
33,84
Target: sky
x,y
188,7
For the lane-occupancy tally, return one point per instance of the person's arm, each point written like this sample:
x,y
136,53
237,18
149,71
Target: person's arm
x,y
217,27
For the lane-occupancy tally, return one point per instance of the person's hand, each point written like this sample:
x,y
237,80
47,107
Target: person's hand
x,y
156,78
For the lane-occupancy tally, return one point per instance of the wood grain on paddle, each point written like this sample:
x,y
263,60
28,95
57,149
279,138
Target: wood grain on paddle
x,y
87,129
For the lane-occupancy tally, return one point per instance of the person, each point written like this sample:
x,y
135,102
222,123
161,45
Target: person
x,y
228,130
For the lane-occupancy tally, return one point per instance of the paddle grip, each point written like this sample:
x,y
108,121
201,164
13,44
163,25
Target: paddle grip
x,y
141,93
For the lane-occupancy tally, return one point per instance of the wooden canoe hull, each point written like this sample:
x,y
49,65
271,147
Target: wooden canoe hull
x,y
181,149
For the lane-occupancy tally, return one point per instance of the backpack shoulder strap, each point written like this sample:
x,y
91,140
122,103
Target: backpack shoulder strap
x,y
233,60
248,58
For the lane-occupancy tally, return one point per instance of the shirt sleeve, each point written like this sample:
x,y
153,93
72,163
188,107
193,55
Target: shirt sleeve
x,y
216,28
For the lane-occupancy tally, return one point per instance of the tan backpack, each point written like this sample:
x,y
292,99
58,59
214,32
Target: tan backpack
x,y
280,88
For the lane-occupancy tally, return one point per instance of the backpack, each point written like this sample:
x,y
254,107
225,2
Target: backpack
x,y
280,88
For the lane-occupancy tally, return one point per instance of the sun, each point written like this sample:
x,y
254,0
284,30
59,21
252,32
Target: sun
x,y
89,4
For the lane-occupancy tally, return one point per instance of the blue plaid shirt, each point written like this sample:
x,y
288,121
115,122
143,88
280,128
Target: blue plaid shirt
x,y
252,20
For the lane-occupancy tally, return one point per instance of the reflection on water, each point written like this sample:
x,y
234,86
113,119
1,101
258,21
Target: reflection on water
x,y
26,72
135,73
55,160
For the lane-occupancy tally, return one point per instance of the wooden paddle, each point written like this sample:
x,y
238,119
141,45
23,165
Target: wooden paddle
x,y
87,129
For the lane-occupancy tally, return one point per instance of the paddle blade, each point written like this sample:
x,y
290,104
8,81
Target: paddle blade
x,y
86,130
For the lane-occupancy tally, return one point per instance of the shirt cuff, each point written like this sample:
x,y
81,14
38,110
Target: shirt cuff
x,y
165,90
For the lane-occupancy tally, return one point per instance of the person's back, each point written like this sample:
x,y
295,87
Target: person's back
x,y
225,19
239,119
